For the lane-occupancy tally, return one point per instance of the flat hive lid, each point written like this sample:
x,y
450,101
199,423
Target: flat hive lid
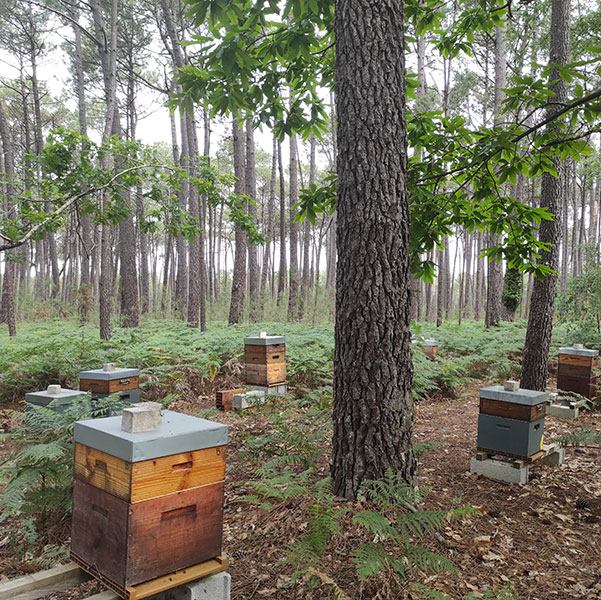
x,y
430,342
521,396
268,340
579,351
63,397
176,433
109,375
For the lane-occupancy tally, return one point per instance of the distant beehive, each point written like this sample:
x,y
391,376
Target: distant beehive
x,y
430,347
151,503
111,380
576,370
511,420
265,360
55,398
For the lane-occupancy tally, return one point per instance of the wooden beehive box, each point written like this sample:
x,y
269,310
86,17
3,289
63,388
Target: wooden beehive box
x,y
147,504
511,422
430,348
109,380
576,371
265,359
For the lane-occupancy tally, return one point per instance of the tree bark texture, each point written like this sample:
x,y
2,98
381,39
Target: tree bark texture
x,y
540,317
239,274
373,405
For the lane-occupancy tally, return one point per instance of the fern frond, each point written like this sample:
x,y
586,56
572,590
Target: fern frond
x,y
428,593
377,524
423,559
423,521
372,559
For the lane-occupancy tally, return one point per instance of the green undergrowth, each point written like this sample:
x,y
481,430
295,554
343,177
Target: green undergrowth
x,y
166,351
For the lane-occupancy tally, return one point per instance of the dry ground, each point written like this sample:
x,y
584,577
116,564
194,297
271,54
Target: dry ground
x,y
543,538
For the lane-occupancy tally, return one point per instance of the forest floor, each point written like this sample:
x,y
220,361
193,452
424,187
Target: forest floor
x,y
542,540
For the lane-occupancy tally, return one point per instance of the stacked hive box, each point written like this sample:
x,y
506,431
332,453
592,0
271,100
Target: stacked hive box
x,y
576,370
111,380
511,420
55,398
147,504
265,361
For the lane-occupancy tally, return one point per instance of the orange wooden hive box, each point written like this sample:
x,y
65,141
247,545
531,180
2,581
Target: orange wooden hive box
x,y
576,370
151,503
265,359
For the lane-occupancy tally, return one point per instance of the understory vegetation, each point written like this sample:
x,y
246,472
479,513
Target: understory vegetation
x,y
278,456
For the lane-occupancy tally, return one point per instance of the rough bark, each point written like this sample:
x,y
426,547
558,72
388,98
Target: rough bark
x,y
239,275
255,306
373,406
283,270
293,287
269,221
540,318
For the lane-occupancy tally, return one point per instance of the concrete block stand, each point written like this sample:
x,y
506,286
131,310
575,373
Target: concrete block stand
x,y
213,587
248,400
500,470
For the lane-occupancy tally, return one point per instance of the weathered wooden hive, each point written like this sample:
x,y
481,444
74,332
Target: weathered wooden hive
x,y
430,347
150,503
576,370
511,420
265,360
55,398
111,380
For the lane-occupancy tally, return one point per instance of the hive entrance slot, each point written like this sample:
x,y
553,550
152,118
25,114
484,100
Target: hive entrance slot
x,y
183,466
178,512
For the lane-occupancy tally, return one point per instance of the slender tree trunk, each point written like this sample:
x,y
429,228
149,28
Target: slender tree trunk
x,y
283,271
373,406
255,312
270,216
293,312
540,320
239,275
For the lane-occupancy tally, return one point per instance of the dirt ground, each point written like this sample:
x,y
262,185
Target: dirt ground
x,y
543,538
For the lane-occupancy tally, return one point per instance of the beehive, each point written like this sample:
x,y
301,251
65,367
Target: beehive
x,y
576,370
112,380
55,398
150,503
430,347
511,420
265,360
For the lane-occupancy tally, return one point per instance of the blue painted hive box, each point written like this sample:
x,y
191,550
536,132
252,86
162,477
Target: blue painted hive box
x,y
511,420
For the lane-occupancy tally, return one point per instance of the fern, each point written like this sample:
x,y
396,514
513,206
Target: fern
x,y
581,437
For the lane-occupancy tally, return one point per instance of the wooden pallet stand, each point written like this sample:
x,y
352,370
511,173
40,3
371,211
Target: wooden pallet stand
x,y
511,469
38,585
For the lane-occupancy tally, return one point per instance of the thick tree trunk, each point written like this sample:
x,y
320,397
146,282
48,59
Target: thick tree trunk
x,y
540,319
373,406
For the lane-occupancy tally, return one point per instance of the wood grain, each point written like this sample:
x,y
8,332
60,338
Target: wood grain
x,y
511,410
148,479
169,474
265,374
174,532
101,470
254,358
572,359
106,386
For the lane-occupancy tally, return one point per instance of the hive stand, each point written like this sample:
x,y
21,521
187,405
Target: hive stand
x,y
149,503
224,398
507,470
565,407
576,370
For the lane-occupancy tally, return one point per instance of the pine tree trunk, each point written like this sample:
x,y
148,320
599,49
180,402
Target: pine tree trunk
x,y
270,215
540,319
239,275
373,406
293,307
283,270
255,312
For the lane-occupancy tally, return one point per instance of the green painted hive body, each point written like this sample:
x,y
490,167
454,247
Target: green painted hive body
x,y
510,422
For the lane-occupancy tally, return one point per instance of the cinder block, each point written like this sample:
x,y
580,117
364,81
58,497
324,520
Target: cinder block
x,y
144,416
562,411
213,587
248,400
281,388
556,458
511,386
499,470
